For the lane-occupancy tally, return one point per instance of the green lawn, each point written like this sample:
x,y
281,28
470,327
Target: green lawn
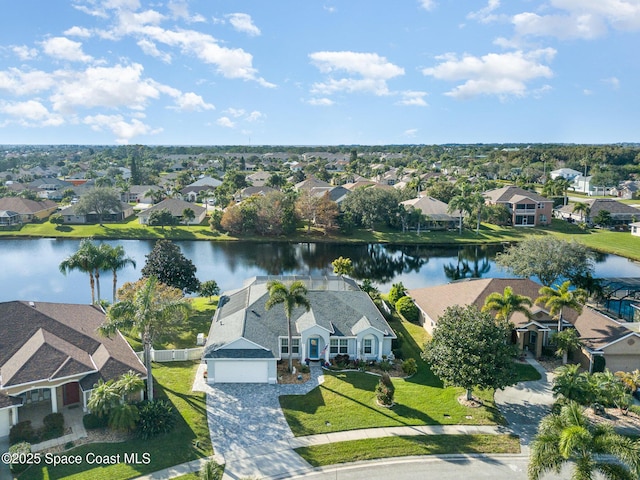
x,y
173,381
402,446
527,373
346,401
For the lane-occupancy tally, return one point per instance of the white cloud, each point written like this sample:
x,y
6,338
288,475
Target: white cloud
x,y
486,15
613,82
123,130
181,10
502,75
411,133
78,32
427,4
19,82
582,19
112,87
373,69
225,122
151,49
320,102
413,98
31,113
255,116
242,22
24,53
235,112
191,102
64,49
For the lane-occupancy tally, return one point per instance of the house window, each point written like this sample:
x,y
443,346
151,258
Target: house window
x,y
543,219
367,346
339,345
295,346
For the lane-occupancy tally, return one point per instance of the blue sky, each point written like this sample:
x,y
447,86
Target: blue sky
x,y
319,72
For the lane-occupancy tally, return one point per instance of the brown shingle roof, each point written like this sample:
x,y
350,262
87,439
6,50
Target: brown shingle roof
x,y
507,194
597,330
25,206
54,340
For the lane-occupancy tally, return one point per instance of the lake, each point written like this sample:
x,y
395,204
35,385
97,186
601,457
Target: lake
x,y
30,267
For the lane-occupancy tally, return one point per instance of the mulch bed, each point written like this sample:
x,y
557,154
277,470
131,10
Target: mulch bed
x,y
284,376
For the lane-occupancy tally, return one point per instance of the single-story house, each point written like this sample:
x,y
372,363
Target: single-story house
x,y
138,193
246,340
29,210
176,207
600,335
71,215
436,213
51,354
621,213
527,209
259,179
251,191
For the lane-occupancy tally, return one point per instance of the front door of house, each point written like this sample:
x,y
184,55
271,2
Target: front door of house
x,y
313,348
71,393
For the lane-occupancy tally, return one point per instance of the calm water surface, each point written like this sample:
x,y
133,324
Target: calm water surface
x,y
30,267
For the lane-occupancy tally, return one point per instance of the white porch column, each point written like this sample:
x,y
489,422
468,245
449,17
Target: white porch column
x,y
380,349
14,416
303,350
327,351
54,400
359,354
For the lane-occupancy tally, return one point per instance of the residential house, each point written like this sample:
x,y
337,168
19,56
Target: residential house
x,y
621,213
627,190
8,218
50,188
600,335
138,193
527,209
310,183
566,173
259,179
635,229
190,192
176,207
29,210
246,340
71,215
252,191
436,213
51,354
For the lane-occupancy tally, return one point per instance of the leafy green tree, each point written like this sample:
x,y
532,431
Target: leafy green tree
x,y
115,259
566,341
167,263
547,258
507,303
398,290
408,309
569,437
385,390
603,218
149,311
369,288
209,289
469,348
371,206
342,266
101,201
57,220
162,218
290,298
557,299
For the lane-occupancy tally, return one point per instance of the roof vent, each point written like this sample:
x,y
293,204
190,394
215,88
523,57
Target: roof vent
x,y
31,304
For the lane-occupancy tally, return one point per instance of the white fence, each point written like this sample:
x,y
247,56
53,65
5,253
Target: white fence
x,y
179,355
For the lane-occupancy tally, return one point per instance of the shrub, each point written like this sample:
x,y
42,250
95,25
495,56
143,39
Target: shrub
x,y
211,471
398,290
408,309
92,421
385,365
23,432
156,417
385,390
341,360
53,426
410,366
22,448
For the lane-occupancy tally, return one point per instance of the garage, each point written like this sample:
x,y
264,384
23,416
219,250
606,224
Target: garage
x,y
238,371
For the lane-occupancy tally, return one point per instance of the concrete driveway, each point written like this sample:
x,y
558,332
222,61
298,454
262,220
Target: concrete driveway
x,y
248,429
524,404
5,473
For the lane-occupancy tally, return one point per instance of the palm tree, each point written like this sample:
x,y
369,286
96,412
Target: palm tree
x,y
556,299
461,204
477,202
115,259
566,341
630,379
104,398
569,437
507,303
153,309
86,259
571,383
294,296
583,209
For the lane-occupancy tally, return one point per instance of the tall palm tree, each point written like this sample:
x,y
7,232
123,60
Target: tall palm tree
x,y
569,437
476,203
583,209
153,309
86,259
115,259
294,296
507,303
461,204
556,299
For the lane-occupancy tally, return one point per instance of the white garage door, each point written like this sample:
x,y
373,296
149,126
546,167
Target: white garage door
x,y
4,423
254,371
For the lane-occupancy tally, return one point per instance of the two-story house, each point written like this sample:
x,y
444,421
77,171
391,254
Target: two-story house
x,y
527,209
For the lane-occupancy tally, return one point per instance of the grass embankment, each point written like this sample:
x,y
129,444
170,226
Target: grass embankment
x,y
173,382
404,446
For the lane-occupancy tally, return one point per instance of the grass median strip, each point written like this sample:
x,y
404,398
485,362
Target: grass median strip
x,y
403,446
